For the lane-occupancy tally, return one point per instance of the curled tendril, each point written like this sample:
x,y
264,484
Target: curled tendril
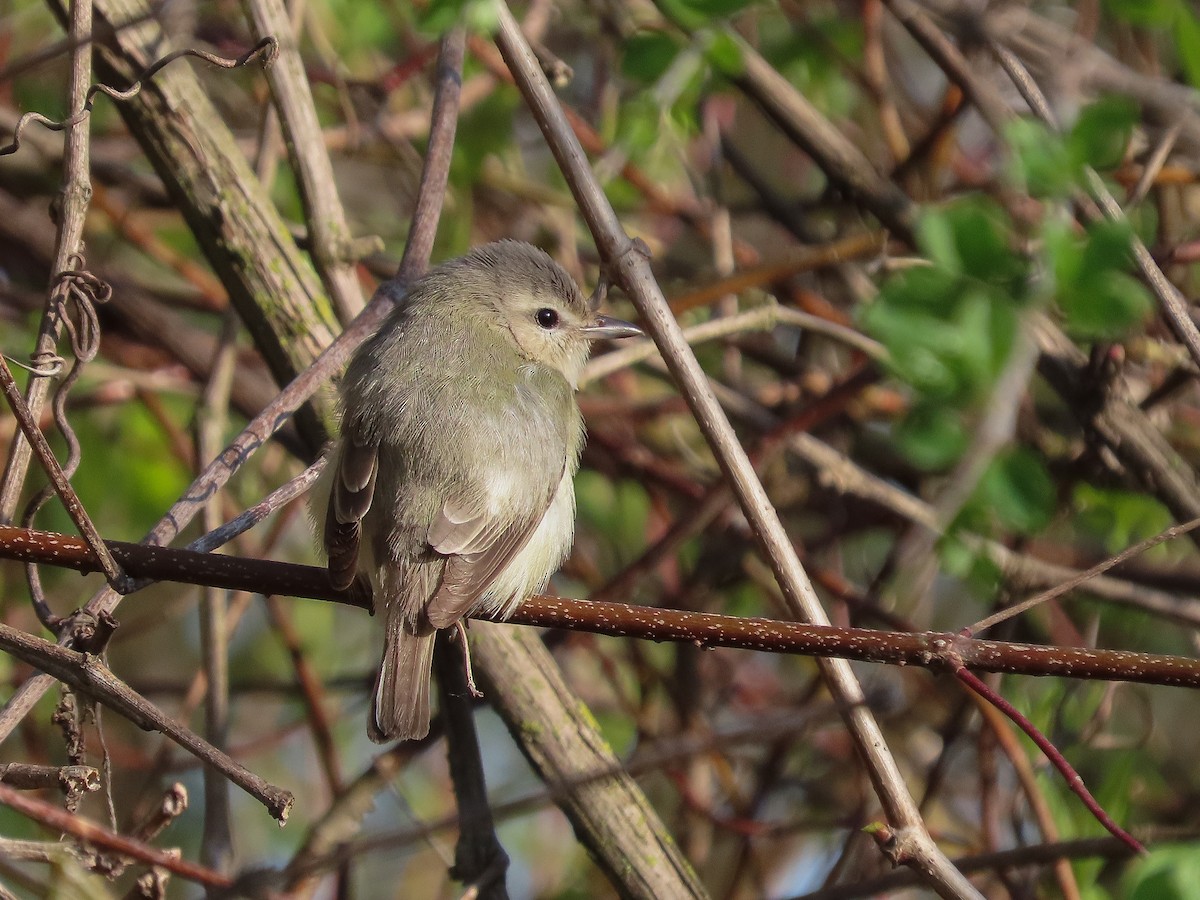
x,y
266,50
75,290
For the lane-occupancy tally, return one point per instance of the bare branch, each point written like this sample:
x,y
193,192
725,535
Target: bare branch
x,y
86,673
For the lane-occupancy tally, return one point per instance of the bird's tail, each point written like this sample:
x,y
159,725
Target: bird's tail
x,y
400,707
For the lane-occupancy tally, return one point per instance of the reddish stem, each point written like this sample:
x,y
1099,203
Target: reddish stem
x,y
1074,781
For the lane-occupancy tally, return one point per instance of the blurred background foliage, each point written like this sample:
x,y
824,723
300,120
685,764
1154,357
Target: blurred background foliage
x,y
741,753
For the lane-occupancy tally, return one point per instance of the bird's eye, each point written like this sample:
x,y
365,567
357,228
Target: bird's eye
x,y
546,317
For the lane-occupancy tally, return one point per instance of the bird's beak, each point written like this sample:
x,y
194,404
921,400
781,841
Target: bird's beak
x,y
608,327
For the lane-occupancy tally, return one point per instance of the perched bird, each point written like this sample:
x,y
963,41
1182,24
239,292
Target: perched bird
x,y
451,485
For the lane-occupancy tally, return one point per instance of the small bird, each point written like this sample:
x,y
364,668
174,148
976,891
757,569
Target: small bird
x,y
451,485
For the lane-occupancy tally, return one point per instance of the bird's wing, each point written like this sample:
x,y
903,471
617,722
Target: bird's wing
x,y
477,546
349,499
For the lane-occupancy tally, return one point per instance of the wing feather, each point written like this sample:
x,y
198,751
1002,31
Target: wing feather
x,y
460,528
477,550
357,466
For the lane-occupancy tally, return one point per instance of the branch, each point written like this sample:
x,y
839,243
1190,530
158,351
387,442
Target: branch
x,y
611,814
626,263
329,233
85,672
934,650
269,281
27,420
91,833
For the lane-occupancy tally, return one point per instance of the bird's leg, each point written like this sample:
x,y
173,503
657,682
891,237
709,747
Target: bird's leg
x,y
461,627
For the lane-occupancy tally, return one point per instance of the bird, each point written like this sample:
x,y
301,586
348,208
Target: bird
x,y
451,485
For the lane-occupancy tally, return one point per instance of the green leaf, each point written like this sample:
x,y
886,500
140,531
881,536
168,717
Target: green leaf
x,y
647,55
1103,301
1063,248
1105,306
1102,132
1147,13
1040,160
1187,44
947,337
909,317
1119,518
931,436
1108,246
724,53
935,235
1019,490
972,237
1170,872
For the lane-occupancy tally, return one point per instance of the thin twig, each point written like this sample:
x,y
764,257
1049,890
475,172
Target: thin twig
x,y
1162,150
88,674
74,197
1074,782
764,318
435,174
216,845
69,779
1075,581
264,49
62,486
1000,728
1017,858
94,834
268,505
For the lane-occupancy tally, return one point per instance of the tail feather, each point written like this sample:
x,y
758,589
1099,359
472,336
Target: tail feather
x,y
400,707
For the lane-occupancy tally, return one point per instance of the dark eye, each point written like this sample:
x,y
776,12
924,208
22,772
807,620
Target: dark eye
x,y
546,317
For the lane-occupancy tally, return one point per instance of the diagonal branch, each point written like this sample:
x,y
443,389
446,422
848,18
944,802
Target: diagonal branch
x,y
95,835
329,232
86,673
630,267
37,440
